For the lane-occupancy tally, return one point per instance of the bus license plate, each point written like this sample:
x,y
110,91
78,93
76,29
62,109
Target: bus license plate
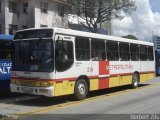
x,y
27,90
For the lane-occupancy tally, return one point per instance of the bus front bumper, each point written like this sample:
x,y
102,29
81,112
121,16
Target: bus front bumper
x,y
45,91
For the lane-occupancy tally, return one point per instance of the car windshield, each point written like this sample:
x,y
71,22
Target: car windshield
x,y
33,55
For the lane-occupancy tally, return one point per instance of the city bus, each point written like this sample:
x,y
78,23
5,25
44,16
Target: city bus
x,y
55,62
5,62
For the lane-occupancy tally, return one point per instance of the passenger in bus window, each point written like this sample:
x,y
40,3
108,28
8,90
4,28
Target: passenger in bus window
x,y
94,55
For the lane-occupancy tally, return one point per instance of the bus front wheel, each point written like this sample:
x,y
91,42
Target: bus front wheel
x,y
81,89
135,81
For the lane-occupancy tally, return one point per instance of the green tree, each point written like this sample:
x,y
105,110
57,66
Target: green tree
x,y
130,37
94,12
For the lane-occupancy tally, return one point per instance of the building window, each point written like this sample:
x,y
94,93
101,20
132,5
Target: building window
x,y
25,8
12,6
44,7
24,27
13,29
43,26
0,29
61,10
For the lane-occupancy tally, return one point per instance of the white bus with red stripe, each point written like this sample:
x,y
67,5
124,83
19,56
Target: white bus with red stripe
x,y
56,61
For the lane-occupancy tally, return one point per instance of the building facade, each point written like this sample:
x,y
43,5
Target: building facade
x,y
21,14
156,41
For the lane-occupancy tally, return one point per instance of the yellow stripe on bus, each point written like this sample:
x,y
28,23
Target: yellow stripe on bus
x,y
94,84
125,80
113,81
146,77
64,88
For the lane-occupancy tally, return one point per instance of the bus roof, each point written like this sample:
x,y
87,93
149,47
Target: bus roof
x,y
94,35
6,37
100,36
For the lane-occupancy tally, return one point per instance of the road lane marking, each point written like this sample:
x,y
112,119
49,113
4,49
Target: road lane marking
x,y
74,103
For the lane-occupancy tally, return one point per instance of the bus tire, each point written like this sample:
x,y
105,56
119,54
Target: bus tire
x,y
81,89
135,81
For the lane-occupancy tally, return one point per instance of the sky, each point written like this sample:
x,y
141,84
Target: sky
x,y
143,23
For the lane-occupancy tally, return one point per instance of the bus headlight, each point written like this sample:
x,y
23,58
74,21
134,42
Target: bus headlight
x,y
46,84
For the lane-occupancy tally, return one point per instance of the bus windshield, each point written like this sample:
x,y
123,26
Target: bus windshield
x,y
33,55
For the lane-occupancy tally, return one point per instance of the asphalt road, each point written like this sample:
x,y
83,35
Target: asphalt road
x,y
118,103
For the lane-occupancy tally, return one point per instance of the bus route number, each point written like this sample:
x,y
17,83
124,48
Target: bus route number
x,y
89,69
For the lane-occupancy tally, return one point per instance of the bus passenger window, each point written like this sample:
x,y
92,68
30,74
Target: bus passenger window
x,y
112,51
134,50
124,51
82,48
143,53
98,49
150,54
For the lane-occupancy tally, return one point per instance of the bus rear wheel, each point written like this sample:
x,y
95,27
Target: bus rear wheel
x,y
135,81
81,89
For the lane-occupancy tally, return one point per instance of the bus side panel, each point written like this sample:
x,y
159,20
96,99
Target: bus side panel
x,y
151,67
114,81
144,71
103,71
143,77
64,88
151,76
122,69
125,80
94,84
103,83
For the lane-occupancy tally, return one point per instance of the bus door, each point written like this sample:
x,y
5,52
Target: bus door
x,y
65,71
99,63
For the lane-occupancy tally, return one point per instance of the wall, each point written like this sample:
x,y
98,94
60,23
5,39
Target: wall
x,y
19,18
2,15
51,19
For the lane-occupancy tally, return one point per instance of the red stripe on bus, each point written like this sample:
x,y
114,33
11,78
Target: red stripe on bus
x,y
93,77
103,83
103,67
147,72
122,74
